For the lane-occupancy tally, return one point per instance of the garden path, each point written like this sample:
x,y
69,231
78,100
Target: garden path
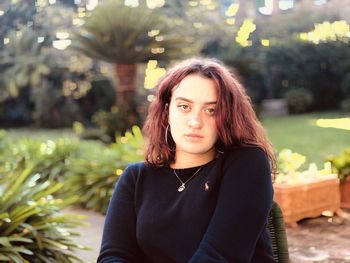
x,y
321,240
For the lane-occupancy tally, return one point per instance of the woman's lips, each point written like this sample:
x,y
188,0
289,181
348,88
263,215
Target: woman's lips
x,y
193,136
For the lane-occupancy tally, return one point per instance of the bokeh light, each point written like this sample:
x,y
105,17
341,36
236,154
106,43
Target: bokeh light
x,y
327,31
244,32
339,123
152,74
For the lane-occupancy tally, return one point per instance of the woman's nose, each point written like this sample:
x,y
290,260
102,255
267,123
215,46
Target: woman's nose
x,y
194,121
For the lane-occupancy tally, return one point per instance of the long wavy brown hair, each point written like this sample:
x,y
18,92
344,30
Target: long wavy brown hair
x,y
236,121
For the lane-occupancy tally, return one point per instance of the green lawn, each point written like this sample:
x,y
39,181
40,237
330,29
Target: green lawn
x,y
41,134
301,134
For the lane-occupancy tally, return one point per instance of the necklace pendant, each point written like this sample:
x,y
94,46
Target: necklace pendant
x,y
181,188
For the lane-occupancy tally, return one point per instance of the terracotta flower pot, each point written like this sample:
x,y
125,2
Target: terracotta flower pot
x,y
307,199
345,193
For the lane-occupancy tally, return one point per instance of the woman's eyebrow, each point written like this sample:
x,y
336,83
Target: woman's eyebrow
x,y
190,101
182,98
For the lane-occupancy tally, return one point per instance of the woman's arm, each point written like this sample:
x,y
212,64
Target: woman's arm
x,y
244,201
119,243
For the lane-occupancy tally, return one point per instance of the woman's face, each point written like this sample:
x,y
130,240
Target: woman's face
x,y
192,115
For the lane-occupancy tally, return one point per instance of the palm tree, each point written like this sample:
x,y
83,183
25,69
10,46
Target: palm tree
x,y
124,36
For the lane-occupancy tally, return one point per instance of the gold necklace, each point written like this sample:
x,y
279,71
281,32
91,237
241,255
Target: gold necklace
x,y
183,184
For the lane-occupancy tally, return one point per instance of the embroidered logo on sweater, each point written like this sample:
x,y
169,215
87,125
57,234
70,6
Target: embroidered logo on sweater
x,y
206,186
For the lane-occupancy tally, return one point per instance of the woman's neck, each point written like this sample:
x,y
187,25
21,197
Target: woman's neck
x,y
188,160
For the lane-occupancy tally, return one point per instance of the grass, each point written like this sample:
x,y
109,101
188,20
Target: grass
x,y
301,134
41,134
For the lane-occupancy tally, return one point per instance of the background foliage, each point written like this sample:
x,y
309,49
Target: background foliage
x,y
32,226
87,169
341,163
53,88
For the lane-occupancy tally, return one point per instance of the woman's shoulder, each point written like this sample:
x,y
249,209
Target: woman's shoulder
x,y
136,173
252,162
135,166
246,154
137,169
132,171
245,151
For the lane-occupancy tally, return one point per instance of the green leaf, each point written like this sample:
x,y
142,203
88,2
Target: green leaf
x,y
16,257
4,258
5,241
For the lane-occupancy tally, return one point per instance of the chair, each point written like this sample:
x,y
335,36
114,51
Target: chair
x,y
278,235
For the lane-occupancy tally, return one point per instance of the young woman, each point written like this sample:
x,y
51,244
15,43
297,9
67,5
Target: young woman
x,y
204,192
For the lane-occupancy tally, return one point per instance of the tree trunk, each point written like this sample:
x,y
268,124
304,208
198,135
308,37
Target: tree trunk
x,y
128,115
126,85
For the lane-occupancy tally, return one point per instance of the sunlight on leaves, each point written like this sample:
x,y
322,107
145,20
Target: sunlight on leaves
x,y
152,74
244,32
340,123
327,31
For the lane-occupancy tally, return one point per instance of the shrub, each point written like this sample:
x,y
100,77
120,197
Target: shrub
x,y
16,112
32,228
291,172
318,68
49,158
299,100
345,86
113,122
4,143
93,173
87,169
101,96
289,162
345,105
341,163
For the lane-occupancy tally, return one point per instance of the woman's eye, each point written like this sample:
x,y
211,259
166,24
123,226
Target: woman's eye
x,y
210,111
183,107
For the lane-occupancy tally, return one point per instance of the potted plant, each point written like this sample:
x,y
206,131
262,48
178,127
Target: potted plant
x,y
303,193
341,165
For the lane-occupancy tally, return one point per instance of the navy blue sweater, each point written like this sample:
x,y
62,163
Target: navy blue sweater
x,y
220,217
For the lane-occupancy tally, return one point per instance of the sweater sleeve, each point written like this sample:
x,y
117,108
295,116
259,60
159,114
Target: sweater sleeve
x,y
119,243
244,201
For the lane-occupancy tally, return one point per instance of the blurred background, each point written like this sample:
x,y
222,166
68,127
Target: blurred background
x,y
77,77
95,63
